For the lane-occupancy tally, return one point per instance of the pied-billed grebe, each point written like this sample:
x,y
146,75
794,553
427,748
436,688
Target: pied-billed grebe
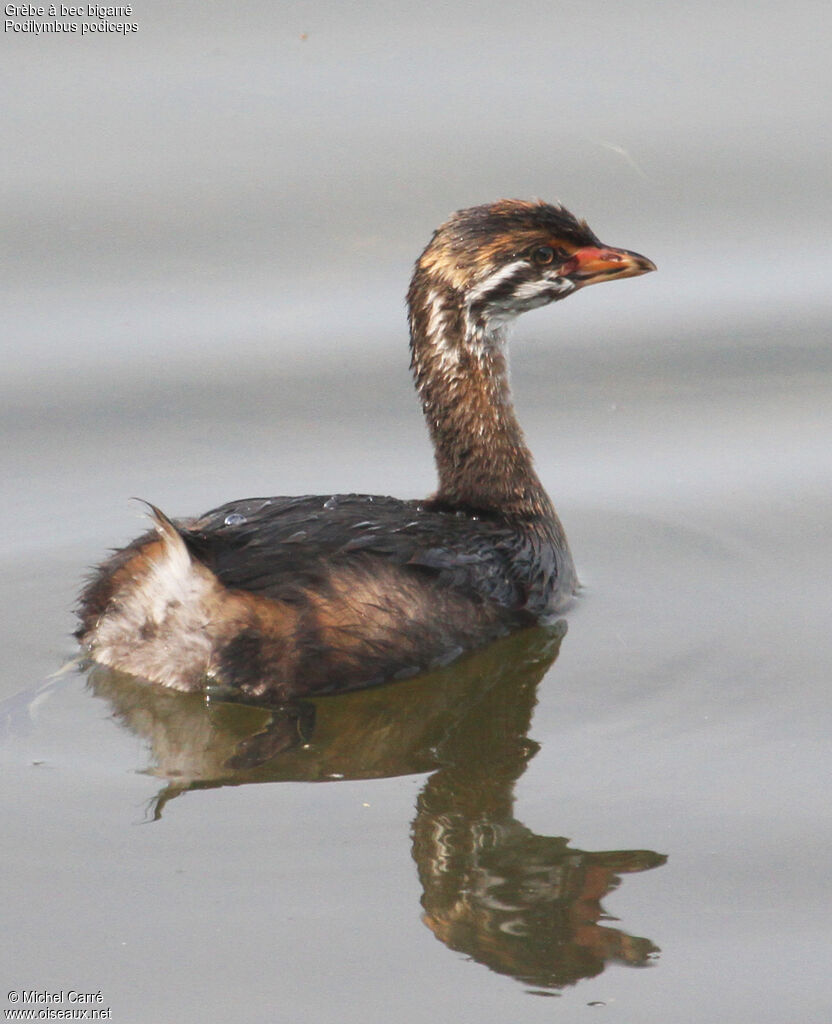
x,y
275,597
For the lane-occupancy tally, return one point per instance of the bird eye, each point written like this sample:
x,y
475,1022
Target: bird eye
x,y
543,255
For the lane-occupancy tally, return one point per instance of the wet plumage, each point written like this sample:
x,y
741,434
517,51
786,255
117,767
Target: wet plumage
x,y
271,597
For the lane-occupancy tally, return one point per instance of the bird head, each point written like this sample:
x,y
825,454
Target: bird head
x,y
512,256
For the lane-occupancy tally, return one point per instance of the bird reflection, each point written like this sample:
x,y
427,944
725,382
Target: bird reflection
x,y
522,904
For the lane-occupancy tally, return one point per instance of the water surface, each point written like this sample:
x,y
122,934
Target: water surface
x,y
207,235
466,835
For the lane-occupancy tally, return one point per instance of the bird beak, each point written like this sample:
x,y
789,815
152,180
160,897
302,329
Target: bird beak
x,y
591,265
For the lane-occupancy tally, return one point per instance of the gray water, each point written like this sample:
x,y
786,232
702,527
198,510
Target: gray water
x,y
209,229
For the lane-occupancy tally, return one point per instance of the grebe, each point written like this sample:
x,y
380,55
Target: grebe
x,y
270,598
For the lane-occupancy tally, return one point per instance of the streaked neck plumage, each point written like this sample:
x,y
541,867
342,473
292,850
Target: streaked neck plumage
x,y
459,362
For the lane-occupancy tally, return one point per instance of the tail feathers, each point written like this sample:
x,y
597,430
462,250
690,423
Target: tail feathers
x,y
150,610
167,531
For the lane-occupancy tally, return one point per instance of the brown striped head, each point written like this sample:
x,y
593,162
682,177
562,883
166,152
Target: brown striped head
x,y
503,259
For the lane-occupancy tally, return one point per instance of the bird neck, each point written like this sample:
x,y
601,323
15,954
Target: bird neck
x,y
460,367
